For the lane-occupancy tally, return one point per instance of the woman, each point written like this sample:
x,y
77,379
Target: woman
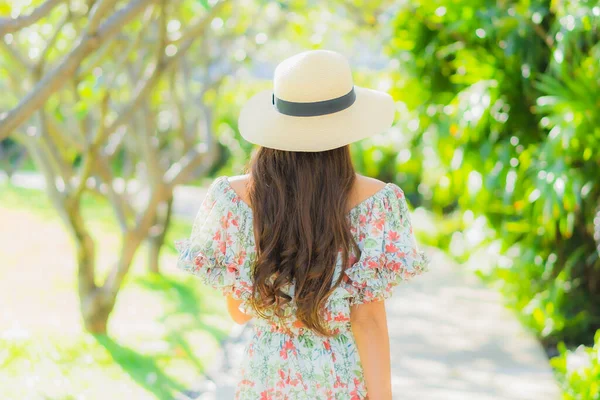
x,y
304,246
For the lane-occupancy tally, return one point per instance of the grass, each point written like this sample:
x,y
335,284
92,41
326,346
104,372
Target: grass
x,y
164,331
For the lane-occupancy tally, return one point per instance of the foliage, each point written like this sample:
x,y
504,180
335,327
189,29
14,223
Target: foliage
x,y
12,156
100,95
579,371
503,104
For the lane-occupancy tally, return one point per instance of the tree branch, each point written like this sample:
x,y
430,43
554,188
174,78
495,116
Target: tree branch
x,y
116,200
40,158
133,238
100,8
52,40
203,155
54,80
62,133
96,58
66,173
130,243
543,35
8,25
91,153
124,55
180,109
163,65
82,122
198,25
16,56
149,152
139,93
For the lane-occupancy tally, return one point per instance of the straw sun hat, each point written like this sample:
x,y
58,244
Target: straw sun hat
x,y
314,106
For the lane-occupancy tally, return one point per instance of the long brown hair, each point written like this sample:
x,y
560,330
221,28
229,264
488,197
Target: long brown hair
x,y
299,202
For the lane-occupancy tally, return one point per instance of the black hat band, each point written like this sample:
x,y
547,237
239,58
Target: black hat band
x,y
315,108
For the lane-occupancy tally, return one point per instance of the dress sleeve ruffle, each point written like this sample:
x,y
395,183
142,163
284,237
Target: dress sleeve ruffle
x,y
208,252
389,254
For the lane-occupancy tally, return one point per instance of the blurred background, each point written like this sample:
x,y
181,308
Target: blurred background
x,y
114,115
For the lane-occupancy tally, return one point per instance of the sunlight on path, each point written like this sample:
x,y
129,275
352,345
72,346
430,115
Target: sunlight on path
x,y
452,339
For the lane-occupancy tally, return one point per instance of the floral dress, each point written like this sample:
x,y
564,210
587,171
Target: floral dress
x,y
290,361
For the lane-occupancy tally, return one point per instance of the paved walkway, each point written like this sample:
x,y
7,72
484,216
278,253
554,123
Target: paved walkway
x,y
450,337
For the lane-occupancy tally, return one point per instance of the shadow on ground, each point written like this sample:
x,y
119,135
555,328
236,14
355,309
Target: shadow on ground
x,y
184,315
142,368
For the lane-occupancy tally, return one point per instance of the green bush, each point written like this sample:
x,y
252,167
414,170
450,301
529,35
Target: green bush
x,y
507,109
505,112
579,371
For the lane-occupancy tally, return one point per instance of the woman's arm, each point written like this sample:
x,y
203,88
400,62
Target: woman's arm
x,y
369,326
233,308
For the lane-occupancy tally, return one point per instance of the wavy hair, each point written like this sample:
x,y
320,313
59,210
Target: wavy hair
x,y
299,202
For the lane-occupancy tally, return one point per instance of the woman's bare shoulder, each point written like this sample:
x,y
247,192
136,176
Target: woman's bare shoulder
x,y
364,188
239,179
367,186
239,185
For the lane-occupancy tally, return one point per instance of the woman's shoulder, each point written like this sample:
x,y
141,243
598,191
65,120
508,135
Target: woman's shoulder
x,y
238,184
238,179
366,184
228,194
366,188
225,183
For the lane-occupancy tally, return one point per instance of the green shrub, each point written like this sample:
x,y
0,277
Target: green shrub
x,y
579,371
506,106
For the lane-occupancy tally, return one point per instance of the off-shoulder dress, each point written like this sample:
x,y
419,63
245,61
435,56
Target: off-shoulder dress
x,y
291,362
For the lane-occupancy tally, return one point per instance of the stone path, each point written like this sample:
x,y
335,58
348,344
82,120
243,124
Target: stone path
x,y
450,338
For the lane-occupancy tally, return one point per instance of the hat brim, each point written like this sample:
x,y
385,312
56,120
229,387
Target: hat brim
x,y
260,123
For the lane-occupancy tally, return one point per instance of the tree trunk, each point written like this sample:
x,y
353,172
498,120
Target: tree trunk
x,y
596,222
96,307
97,302
157,239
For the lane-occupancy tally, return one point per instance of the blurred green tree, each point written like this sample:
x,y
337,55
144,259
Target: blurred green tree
x,y
117,99
505,102
11,156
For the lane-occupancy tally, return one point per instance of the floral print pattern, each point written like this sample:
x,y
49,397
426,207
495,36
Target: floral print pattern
x,y
284,360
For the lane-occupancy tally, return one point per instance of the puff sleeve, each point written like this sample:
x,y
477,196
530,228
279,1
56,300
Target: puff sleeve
x,y
207,252
389,251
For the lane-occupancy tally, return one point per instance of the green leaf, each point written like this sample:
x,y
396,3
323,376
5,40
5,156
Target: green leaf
x,y
204,4
81,110
5,9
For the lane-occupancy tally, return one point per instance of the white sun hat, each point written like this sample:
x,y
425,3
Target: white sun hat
x,y
314,106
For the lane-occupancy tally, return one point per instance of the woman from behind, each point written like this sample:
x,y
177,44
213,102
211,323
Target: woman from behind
x,y
302,245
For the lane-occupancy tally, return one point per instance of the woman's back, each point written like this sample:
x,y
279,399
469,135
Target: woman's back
x,y
284,358
310,250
